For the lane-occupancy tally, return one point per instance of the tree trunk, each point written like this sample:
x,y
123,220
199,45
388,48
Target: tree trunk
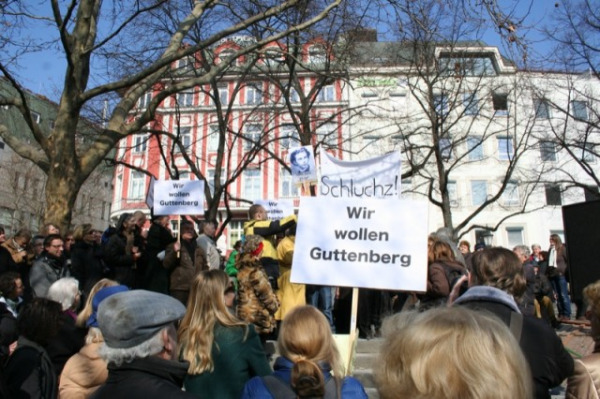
x,y
62,188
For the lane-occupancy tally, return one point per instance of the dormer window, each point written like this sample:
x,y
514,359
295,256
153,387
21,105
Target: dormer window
x,y
226,56
467,65
317,54
273,56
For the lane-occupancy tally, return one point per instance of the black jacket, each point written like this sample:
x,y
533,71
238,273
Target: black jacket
x,y
146,378
87,264
548,360
157,277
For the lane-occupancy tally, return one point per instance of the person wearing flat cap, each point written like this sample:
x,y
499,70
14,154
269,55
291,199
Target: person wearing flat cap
x,y
140,346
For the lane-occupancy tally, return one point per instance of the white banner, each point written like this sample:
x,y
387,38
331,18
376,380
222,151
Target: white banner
x,y
277,209
372,178
150,193
302,163
178,197
370,243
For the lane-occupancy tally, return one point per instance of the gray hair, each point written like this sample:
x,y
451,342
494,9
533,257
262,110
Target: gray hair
x,y
522,250
536,246
150,347
64,291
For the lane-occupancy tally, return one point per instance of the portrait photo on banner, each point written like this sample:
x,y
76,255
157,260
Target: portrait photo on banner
x,y
302,164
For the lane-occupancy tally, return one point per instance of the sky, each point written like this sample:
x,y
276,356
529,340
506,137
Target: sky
x,y
43,72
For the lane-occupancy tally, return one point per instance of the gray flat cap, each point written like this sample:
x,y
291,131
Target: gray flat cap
x,y
129,318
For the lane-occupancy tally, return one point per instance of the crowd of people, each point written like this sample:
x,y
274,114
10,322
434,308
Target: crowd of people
x,y
136,313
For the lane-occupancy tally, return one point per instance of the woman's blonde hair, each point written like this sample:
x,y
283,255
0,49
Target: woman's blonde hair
x,y
305,339
81,230
206,307
499,268
448,353
87,310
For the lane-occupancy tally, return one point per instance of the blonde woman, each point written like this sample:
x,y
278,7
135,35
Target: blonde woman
x,y
85,371
86,312
223,351
309,365
448,353
585,381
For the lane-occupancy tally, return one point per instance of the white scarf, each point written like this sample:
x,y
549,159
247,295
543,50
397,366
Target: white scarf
x,y
552,257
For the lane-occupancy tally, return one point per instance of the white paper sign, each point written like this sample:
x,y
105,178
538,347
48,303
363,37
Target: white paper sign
x,y
370,243
277,209
178,197
372,178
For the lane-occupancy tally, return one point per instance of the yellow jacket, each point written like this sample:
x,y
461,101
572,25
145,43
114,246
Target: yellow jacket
x,y
267,230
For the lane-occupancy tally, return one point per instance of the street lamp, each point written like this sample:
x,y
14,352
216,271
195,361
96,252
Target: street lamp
x,y
487,237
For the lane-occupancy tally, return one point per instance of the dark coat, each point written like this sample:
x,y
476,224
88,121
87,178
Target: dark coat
x,y
8,332
69,340
157,277
146,378
87,264
29,372
548,360
119,261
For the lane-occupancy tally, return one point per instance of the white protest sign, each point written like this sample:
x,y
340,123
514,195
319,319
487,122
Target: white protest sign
x,y
150,193
178,197
369,243
372,178
277,209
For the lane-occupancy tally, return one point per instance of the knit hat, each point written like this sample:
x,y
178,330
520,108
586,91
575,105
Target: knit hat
x,y
130,318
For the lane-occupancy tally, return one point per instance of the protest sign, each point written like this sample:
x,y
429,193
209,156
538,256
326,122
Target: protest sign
x,y
178,197
277,209
150,193
372,178
302,164
369,243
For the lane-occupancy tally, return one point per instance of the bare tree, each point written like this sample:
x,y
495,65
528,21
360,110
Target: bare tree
x,y
118,52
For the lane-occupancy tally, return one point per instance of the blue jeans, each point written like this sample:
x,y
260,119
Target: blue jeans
x,y
321,297
563,302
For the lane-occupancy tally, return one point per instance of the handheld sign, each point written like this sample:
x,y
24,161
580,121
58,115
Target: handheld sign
x,y
150,193
370,243
302,163
277,209
178,197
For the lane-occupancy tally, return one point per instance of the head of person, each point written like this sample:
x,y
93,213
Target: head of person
x,y
208,227
480,246
49,228
84,232
555,241
206,306
139,219
37,245
161,220
464,247
188,233
39,320
11,285
125,223
87,310
138,324
536,249
94,334
440,251
522,252
305,339
68,240
499,268
257,212
22,237
253,246
300,158
238,245
66,292
450,353
54,245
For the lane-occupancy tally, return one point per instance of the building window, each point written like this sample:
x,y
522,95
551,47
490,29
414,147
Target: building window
x,y
252,135
553,194
500,103
327,134
254,95
137,185
505,148
510,195
37,118
548,151
542,108
210,178
288,136
475,148
471,104
185,98
226,56
145,100
440,104
287,188
317,55
140,142
588,153
213,138
223,95
185,64
185,138
514,236
478,192
452,193
591,193
445,145
294,96
579,110
252,184
326,94
273,57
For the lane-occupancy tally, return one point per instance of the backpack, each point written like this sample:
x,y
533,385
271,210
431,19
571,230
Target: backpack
x,y
279,389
